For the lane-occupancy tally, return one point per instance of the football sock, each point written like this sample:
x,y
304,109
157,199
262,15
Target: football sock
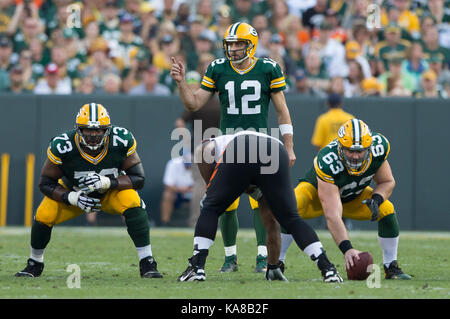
x,y
314,250
145,251
388,236
389,247
40,235
286,240
37,254
260,231
138,226
229,225
202,243
262,250
230,250
388,226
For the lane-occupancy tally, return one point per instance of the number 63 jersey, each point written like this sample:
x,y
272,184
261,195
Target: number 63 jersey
x,y
244,94
329,168
65,150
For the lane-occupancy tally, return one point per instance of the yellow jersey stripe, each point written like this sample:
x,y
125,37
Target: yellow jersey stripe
x,y
208,85
54,159
278,80
322,175
275,86
388,150
205,78
132,149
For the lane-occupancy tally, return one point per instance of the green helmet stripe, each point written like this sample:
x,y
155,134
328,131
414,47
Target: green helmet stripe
x,y
234,28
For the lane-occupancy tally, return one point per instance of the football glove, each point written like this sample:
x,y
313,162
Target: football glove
x,y
374,205
88,204
94,182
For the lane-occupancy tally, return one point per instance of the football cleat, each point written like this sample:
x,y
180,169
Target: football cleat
x,y
331,275
148,268
261,263
33,269
230,264
394,272
275,273
193,273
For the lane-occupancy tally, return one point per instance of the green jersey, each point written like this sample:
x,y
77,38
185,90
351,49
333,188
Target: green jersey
x,y
329,167
65,150
244,95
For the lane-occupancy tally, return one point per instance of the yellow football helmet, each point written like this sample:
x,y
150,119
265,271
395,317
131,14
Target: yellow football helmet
x,y
241,31
93,116
355,136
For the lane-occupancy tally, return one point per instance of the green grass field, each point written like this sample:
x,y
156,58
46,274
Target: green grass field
x,y
109,267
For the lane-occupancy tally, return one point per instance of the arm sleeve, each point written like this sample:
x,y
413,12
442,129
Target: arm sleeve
x,y
209,80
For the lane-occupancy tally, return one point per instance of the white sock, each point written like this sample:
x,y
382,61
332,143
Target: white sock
x,y
230,250
262,250
145,251
286,240
37,254
202,243
389,247
315,249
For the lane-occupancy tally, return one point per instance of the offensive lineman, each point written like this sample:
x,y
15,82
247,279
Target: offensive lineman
x,y
83,173
245,85
338,186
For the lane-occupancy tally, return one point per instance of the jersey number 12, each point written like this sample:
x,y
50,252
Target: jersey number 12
x,y
232,109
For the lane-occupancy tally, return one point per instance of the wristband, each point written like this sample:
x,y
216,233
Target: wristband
x,y
345,245
65,198
113,182
378,198
286,129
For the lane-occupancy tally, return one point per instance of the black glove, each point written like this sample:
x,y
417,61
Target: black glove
x,y
374,204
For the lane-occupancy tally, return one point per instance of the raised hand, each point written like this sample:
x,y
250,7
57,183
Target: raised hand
x,y
177,71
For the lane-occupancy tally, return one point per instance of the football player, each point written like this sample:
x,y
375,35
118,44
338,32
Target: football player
x,y
338,186
259,165
245,85
91,168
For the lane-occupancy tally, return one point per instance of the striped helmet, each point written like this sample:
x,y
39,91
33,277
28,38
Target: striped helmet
x,y
93,116
355,136
241,31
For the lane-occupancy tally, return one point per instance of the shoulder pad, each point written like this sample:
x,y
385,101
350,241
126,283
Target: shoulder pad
x,y
380,146
60,146
328,164
123,139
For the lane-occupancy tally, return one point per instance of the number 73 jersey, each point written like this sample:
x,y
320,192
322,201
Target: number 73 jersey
x,y
244,94
65,150
329,167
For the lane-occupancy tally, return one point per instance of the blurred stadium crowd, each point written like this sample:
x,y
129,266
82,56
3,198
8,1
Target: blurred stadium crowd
x,y
353,48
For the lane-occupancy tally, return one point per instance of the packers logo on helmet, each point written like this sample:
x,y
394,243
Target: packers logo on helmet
x,y
355,138
241,31
93,116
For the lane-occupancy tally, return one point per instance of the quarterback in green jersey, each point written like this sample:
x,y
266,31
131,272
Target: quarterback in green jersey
x,y
338,185
91,168
245,86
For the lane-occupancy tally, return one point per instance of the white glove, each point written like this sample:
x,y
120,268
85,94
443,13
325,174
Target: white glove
x,y
88,204
94,182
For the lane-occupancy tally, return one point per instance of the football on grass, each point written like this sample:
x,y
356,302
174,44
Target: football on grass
x,y
360,269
